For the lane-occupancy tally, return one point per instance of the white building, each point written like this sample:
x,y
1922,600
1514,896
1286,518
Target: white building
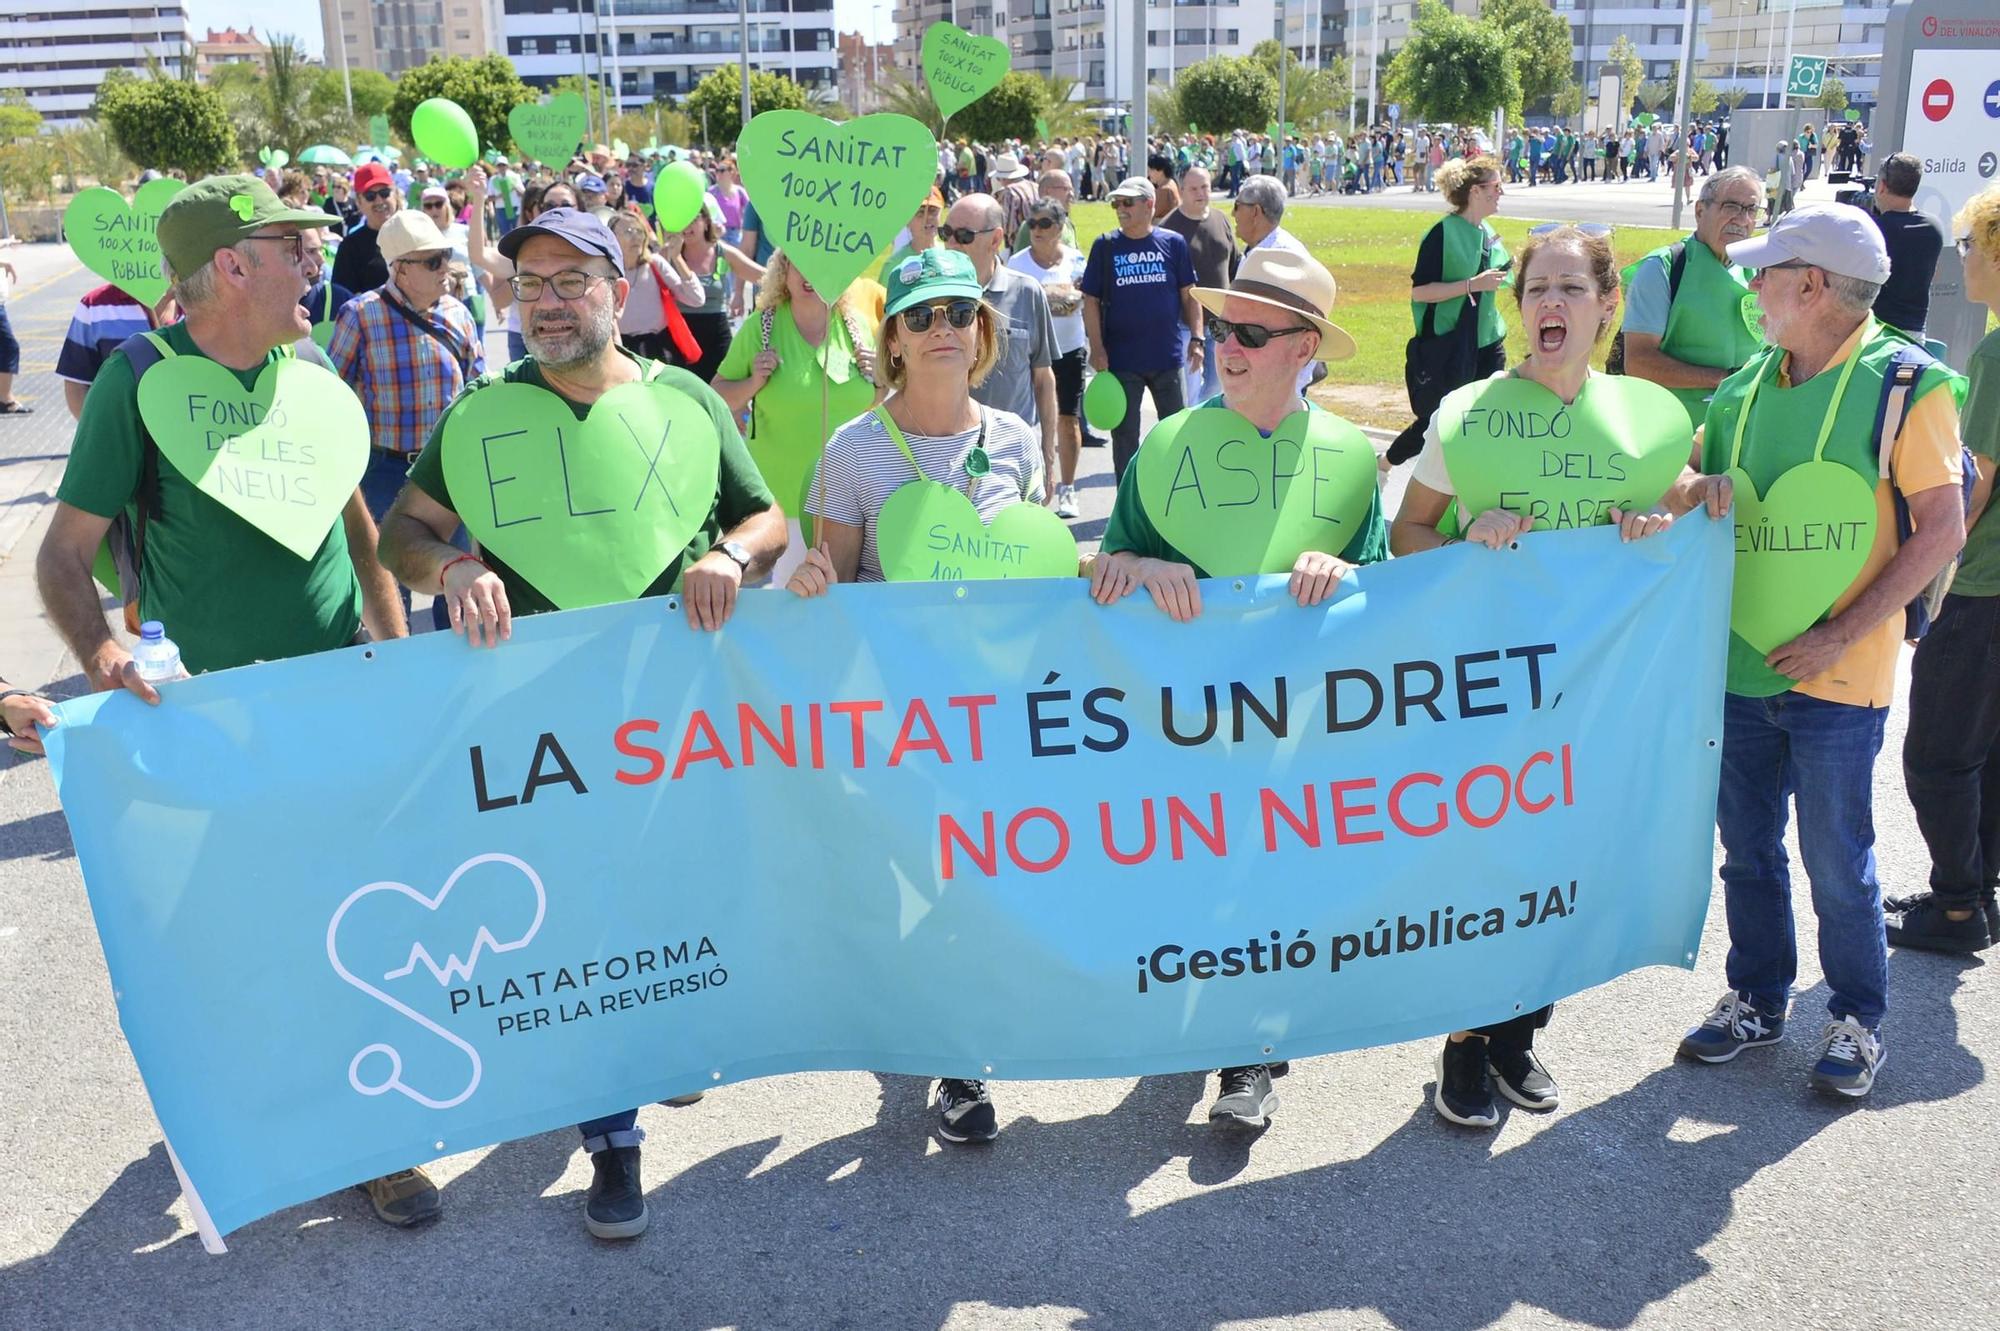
x,y
58,51
1076,39
662,48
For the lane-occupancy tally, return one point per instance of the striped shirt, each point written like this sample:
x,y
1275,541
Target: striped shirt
x,y
862,467
403,375
104,318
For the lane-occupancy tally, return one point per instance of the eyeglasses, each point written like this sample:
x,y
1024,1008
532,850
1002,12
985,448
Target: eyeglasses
x,y
1043,223
1252,337
569,284
293,240
958,313
964,235
435,262
376,195
434,203
1131,201
1734,209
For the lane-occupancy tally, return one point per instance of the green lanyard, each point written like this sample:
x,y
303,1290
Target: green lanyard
x,y
977,464
1832,408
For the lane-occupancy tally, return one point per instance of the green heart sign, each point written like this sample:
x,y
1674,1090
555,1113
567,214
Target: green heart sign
x,y
960,68
549,131
275,158
1104,402
1239,503
284,455
1513,444
116,240
927,532
378,131
593,511
1753,315
1042,129
1798,548
833,196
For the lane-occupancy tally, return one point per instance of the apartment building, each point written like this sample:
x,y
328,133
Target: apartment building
x,y
659,49
57,52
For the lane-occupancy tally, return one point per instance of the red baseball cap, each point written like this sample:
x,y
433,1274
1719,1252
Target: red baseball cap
x,y
369,176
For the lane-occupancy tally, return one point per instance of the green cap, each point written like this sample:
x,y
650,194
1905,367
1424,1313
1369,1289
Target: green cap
x,y
215,213
934,274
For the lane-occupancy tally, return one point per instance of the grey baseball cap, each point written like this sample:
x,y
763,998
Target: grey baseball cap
x,y
1835,236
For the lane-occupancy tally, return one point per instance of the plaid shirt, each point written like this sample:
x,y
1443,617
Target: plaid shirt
x,y
404,377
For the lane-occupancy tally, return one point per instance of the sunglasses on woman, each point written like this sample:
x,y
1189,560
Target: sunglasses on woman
x,y
958,313
1043,223
1252,337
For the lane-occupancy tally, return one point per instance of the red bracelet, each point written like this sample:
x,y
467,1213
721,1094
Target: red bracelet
x,y
460,560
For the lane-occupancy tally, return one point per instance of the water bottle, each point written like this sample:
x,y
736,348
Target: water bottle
x,y
156,655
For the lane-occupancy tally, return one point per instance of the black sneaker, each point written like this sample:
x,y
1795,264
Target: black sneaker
x,y
1521,1078
1247,1100
1463,1097
405,1199
1849,1057
1091,440
1920,922
965,1112
616,1206
1733,1025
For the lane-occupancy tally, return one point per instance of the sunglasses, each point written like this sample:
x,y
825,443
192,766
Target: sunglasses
x,y
1043,223
1251,337
435,262
1131,201
376,195
964,235
958,313
435,203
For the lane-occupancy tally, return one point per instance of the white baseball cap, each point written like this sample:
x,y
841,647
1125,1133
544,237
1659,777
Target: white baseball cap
x,y
1835,236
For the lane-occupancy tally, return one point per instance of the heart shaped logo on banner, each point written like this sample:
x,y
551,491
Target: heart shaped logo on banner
x,y
927,532
1798,548
550,131
118,241
1238,503
1513,444
833,196
591,512
284,455
960,68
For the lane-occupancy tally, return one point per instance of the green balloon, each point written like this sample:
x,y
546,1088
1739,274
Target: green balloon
x,y
1237,503
444,133
550,131
1797,548
1511,443
116,240
832,196
590,512
960,68
284,456
677,191
928,532
1104,402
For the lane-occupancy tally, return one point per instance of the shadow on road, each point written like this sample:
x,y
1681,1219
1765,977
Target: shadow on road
x,y
1595,1219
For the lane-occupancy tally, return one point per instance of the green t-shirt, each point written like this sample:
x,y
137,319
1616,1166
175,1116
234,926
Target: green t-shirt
x,y
813,392
740,491
227,594
1131,531
1979,428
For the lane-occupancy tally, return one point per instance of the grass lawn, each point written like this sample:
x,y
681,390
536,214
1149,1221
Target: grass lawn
x,y
1370,252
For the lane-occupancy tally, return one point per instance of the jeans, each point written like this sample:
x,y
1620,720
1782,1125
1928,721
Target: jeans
x,y
1822,755
386,475
1951,755
1165,386
620,1129
10,349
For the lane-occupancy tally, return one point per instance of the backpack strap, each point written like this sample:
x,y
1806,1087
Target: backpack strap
x,y
1677,265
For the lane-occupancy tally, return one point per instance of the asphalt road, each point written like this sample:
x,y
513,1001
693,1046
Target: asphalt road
x,y
1661,1195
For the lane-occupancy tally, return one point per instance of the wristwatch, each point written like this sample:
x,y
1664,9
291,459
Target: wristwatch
x,y
735,551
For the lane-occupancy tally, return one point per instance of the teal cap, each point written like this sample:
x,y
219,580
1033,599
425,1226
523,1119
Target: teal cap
x,y
934,274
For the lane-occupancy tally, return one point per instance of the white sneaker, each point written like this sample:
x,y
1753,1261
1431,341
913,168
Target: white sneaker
x,y
1066,501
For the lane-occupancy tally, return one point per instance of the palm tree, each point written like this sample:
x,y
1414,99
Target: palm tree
x,y
904,98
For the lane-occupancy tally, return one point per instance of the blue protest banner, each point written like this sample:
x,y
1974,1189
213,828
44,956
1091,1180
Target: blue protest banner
x,y
378,905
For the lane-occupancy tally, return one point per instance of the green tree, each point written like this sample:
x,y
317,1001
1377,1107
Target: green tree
x,y
487,89
1009,111
1702,99
1566,101
90,148
1063,106
373,91
720,97
1732,97
1314,97
1163,110
1224,93
170,124
1538,42
903,97
1832,96
1453,70
1631,71
18,120
1654,94
28,158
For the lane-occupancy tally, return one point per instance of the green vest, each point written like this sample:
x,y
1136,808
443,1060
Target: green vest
x,y
1462,243
1707,322
1781,434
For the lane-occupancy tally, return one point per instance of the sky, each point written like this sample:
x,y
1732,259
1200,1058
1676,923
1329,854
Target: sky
x,y
302,20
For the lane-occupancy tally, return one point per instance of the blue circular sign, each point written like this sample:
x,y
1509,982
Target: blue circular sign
x,y
1991,101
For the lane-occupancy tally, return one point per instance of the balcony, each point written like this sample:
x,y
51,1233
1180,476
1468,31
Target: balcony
x,y
767,44
712,8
